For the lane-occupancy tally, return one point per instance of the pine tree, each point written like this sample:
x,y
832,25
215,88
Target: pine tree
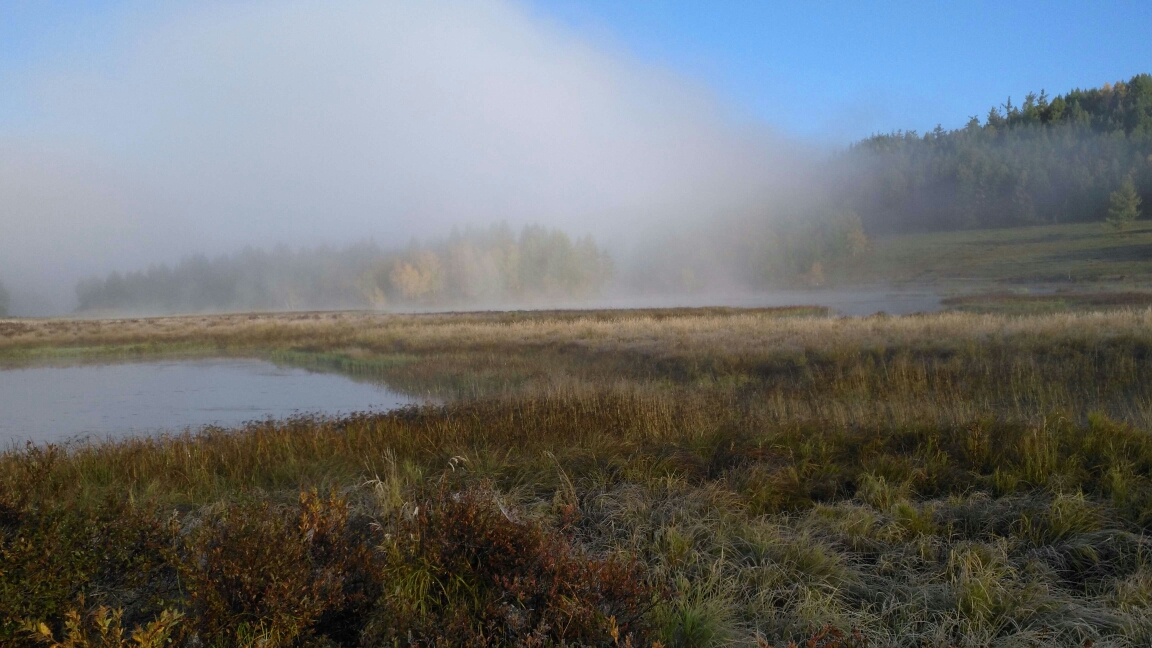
x,y
1123,205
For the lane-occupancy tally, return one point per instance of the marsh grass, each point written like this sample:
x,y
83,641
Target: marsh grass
x,y
686,478
1063,301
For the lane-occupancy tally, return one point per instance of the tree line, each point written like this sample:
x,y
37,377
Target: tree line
x,y
477,265
786,249
492,266
1046,160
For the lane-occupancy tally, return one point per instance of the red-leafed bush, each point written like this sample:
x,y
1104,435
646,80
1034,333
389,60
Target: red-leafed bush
x,y
279,575
464,570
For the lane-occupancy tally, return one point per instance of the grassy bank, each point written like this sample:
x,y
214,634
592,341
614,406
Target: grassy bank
x,y
1055,302
687,478
1082,253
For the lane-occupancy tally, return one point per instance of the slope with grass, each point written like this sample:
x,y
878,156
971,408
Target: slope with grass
x,y
1051,256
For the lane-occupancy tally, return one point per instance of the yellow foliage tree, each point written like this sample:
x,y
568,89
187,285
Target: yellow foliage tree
x,y
420,278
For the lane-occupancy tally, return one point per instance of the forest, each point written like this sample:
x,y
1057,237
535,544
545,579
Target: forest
x,y
492,265
1046,160
489,267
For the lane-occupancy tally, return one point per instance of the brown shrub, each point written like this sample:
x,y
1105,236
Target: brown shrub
x,y
283,575
464,570
53,552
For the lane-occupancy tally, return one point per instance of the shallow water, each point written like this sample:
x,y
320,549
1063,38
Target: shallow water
x,y
116,400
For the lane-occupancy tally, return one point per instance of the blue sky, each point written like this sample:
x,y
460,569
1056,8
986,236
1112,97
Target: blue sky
x,y
834,70
841,69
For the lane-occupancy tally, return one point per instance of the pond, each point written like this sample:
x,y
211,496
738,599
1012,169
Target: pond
x,y
53,404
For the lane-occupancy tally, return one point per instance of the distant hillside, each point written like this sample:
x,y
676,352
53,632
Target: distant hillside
x,y
1046,160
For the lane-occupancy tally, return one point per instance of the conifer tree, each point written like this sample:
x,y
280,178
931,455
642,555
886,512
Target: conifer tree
x,y
1123,205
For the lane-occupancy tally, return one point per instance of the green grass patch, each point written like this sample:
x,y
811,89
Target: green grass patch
x,y
351,363
1045,254
53,355
1015,303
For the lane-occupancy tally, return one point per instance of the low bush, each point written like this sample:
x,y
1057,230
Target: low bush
x,y
453,567
464,569
285,575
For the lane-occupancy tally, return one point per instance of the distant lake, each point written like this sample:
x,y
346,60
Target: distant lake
x,y
53,404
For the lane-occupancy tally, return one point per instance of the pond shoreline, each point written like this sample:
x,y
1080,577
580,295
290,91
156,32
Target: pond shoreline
x,y
46,403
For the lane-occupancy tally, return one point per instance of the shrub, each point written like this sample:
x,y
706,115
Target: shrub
x,y
282,575
463,569
52,553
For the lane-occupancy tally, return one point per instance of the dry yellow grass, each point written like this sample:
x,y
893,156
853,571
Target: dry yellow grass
x,y
735,332
949,367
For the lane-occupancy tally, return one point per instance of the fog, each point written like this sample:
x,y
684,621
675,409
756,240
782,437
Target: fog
x,y
208,127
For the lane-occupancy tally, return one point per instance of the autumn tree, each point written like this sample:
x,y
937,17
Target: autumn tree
x,y
419,278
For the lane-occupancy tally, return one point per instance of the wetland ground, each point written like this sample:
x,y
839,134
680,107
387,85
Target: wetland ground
x,y
681,477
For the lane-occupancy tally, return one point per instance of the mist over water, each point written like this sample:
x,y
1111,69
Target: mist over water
x,y
202,128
